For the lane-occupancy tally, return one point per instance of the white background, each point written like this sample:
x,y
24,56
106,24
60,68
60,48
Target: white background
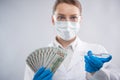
x,y
25,25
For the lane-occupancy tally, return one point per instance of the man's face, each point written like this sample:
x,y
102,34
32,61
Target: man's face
x,y
66,12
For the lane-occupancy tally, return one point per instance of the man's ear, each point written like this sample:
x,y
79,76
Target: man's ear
x,y
53,21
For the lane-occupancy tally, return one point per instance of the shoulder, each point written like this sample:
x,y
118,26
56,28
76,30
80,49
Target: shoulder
x,y
95,48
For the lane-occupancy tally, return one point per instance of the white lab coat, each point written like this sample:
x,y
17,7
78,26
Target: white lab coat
x,y
76,69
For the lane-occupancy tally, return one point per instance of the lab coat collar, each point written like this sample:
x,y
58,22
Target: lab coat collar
x,y
72,45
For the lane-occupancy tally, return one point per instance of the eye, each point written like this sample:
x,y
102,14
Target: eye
x,y
73,18
60,18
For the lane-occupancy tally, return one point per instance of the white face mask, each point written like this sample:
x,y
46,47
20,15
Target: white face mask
x,y
66,29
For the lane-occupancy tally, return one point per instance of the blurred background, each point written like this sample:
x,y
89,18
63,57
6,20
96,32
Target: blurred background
x,y
25,25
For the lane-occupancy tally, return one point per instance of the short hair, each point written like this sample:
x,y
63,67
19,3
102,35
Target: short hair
x,y
73,2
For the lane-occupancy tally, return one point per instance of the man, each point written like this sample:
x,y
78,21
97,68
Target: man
x,y
76,66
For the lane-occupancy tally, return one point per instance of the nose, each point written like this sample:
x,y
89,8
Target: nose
x,y
67,19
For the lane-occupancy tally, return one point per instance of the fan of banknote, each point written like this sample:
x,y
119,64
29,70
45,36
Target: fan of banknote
x,y
49,57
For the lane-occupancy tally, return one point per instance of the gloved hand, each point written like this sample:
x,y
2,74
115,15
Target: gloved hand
x,y
43,74
94,63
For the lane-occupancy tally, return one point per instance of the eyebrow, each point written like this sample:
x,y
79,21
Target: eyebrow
x,y
61,14
70,15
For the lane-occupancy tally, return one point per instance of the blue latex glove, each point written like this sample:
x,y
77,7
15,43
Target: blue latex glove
x,y
94,63
43,74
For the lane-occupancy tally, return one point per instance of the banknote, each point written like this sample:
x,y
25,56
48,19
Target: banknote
x,y
48,57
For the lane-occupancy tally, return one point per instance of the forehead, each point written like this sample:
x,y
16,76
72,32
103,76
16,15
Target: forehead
x,y
67,9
